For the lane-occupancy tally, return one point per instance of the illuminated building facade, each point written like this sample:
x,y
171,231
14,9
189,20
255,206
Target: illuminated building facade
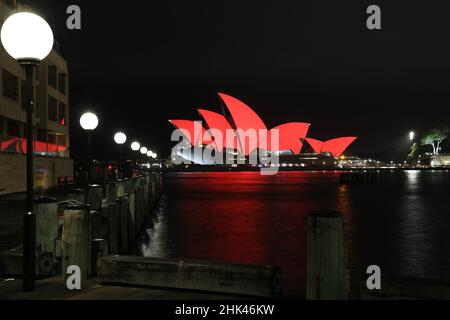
x,y
51,119
230,134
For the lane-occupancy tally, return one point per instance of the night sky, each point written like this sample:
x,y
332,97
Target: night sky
x,y
140,63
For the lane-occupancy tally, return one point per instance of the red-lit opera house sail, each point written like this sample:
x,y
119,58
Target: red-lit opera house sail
x,y
193,131
290,135
334,146
218,126
245,120
315,144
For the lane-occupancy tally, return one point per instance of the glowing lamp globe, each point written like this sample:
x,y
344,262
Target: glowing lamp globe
x,y
154,156
149,154
135,146
89,121
120,138
144,150
27,37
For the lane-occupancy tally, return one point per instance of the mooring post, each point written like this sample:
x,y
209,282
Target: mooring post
x,y
123,224
95,196
127,182
112,211
111,192
327,274
46,224
154,186
134,183
137,211
76,239
120,189
78,195
99,250
146,210
131,220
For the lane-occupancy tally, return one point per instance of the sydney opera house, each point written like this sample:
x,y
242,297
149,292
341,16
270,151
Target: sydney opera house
x,y
228,133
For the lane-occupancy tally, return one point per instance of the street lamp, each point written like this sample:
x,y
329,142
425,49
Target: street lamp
x,y
135,146
150,154
120,138
411,136
28,38
144,150
89,122
154,156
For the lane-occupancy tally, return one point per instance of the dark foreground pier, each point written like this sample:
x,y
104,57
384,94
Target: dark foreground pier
x,y
95,234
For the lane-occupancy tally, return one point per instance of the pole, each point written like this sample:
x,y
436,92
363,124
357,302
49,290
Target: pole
x,y
89,167
29,223
120,162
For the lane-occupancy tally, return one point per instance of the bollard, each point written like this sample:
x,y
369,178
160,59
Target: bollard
x,y
94,197
99,250
154,187
112,212
151,196
134,183
78,195
128,188
131,220
99,224
123,224
120,189
46,224
146,210
326,266
139,210
111,192
76,239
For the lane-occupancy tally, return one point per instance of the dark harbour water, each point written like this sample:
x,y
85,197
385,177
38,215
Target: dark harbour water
x,y
401,223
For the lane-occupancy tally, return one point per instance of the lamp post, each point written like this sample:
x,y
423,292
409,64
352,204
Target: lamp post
x,y
89,122
120,138
412,134
28,38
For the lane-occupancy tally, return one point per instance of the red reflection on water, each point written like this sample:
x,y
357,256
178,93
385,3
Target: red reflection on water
x,y
244,217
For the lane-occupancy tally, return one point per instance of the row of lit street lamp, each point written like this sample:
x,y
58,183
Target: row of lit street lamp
x,y
89,122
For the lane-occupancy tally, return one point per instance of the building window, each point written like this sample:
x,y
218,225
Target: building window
x,y
42,136
62,114
10,85
52,109
13,128
52,76
61,140
62,83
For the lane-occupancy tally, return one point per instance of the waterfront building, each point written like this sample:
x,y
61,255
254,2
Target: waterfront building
x,y
51,119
